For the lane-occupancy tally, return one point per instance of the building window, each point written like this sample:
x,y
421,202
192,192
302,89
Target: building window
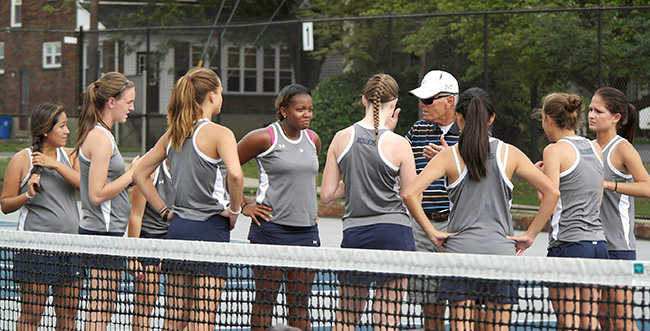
x,y
16,13
52,55
2,58
264,70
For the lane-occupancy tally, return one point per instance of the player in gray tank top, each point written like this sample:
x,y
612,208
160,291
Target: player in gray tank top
x,y
41,182
285,211
145,222
485,228
614,120
574,164
577,216
287,178
371,196
199,181
478,171
112,215
104,184
617,210
208,185
152,224
373,163
58,202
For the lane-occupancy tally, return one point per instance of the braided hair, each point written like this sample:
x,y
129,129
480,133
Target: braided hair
x,y
380,88
42,120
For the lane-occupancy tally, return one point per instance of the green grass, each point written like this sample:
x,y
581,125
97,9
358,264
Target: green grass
x,y
3,166
524,193
250,169
12,146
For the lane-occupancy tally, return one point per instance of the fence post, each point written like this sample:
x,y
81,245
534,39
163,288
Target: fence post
x,y
81,67
533,151
485,50
145,111
600,47
390,45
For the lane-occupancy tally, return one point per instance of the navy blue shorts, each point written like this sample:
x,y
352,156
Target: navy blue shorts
x,y
147,235
383,236
215,229
459,289
622,255
277,234
46,267
97,261
582,249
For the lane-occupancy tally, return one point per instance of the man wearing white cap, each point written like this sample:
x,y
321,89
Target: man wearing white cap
x,y
437,129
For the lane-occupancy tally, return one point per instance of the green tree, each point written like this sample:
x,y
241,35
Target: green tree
x,y
529,54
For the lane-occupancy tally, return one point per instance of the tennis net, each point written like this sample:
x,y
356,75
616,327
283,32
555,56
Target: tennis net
x,y
77,282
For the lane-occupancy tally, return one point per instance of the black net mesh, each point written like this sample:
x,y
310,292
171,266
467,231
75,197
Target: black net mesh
x,y
65,283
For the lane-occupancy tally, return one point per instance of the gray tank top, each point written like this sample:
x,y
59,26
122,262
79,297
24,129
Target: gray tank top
x,y
55,209
371,181
617,210
151,220
577,216
111,215
288,172
480,211
199,181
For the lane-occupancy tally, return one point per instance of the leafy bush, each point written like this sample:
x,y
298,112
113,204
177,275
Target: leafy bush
x,y
337,105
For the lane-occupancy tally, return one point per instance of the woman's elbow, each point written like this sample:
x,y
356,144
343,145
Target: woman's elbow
x,y
95,199
6,209
326,197
553,194
236,176
406,195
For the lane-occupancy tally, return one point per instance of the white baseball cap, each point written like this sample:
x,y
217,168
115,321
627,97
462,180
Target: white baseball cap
x,y
436,82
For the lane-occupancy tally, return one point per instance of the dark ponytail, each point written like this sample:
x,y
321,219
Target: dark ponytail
x,y
473,143
616,103
628,129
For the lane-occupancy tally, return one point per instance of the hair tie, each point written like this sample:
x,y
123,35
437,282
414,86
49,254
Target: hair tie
x,y
188,77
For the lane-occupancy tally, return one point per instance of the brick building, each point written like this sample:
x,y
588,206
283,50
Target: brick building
x,y
43,58
38,59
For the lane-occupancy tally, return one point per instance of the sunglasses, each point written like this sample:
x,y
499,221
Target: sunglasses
x,y
429,101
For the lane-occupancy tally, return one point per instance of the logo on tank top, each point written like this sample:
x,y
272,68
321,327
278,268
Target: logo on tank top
x,y
365,141
281,146
586,151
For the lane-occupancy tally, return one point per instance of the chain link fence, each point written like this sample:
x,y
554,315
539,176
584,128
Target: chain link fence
x,y
517,56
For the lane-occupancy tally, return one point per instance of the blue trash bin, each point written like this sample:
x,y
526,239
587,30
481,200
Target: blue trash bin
x,y
5,127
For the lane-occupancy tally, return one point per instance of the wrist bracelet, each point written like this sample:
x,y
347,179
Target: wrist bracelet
x,y
615,186
165,214
233,212
28,196
162,209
